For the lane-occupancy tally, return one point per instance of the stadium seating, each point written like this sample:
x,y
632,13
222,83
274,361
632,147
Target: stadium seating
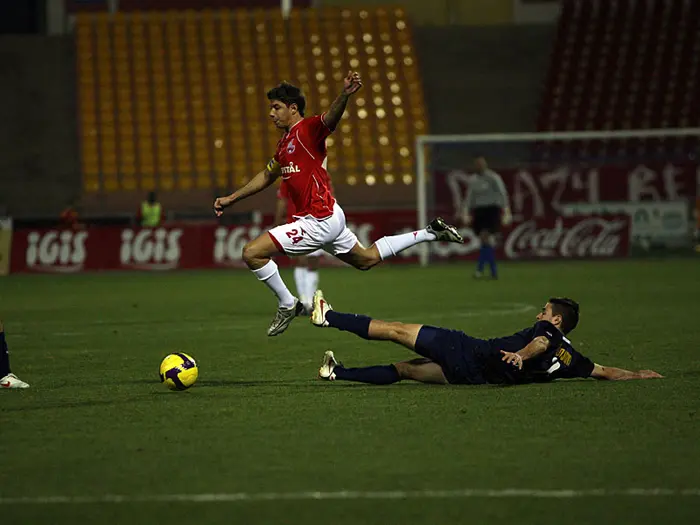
x,y
620,65
176,100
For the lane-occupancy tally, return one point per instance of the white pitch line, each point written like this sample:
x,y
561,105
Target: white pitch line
x,y
353,495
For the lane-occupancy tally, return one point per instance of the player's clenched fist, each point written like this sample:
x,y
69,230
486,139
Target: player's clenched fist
x,y
352,83
220,204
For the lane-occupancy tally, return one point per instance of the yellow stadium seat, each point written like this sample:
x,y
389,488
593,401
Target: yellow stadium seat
x,y
148,183
184,182
184,163
145,145
129,182
166,181
146,169
212,88
165,164
91,159
111,183
203,181
91,183
222,181
88,119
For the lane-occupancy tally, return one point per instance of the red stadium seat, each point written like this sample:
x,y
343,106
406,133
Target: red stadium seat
x,y
623,64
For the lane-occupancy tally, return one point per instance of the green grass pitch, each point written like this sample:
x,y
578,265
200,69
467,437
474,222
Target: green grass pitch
x,y
97,422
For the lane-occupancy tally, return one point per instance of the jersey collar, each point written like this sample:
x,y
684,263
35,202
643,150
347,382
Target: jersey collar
x,y
295,125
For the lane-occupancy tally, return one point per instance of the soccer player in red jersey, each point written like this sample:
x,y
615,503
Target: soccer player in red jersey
x,y
300,160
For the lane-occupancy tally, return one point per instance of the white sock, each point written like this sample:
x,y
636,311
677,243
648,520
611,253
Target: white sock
x,y
300,280
390,246
270,275
311,283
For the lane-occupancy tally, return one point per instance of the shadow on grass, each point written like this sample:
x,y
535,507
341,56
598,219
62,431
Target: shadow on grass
x,y
684,373
74,404
246,383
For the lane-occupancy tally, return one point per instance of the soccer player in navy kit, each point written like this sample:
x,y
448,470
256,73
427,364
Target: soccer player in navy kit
x,y
540,353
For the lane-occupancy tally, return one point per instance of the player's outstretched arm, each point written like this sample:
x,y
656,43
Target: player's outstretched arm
x,y
258,183
351,84
611,373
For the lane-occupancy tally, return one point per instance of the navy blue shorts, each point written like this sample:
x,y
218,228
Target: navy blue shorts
x,y
460,356
486,218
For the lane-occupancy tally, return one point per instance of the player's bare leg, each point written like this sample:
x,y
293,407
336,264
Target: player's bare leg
x,y
306,279
420,369
372,329
423,370
301,279
312,279
400,333
360,257
257,255
365,258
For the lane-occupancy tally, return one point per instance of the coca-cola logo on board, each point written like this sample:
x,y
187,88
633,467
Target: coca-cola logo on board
x,y
56,251
151,249
588,237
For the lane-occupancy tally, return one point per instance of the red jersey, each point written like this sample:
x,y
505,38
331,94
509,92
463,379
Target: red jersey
x,y
282,194
301,155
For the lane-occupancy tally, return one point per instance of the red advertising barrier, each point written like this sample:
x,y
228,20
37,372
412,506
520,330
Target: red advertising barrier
x,y
214,246
539,193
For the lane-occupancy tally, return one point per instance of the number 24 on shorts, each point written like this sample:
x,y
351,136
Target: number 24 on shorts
x,y
296,235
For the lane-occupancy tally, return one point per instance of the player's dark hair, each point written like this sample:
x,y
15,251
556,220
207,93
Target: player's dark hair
x,y
288,94
568,309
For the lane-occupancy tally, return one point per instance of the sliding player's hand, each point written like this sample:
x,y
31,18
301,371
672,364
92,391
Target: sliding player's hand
x,y
649,374
220,204
352,83
512,358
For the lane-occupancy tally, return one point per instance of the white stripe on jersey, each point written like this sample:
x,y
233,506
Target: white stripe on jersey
x,y
302,145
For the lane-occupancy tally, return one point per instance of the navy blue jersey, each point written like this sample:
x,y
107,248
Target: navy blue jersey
x,y
559,361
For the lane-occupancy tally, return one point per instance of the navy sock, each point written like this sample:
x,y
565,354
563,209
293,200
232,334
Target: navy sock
x,y
375,375
4,356
482,258
357,324
491,259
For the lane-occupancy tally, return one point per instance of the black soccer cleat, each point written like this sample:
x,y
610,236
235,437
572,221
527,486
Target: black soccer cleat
x,y
444,231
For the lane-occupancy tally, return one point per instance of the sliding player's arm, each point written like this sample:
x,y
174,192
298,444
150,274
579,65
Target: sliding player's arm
x,y
351,84
534,348
258,183
611,373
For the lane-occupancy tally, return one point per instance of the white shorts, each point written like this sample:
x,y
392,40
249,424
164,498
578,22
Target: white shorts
x,y
308,234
